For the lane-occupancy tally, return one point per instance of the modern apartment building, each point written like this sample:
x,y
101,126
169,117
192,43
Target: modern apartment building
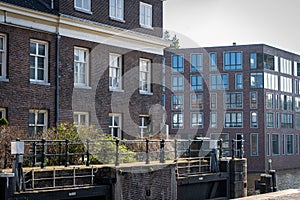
x,y
92,62
225,92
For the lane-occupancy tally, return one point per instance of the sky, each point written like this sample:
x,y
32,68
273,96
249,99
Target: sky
x,y
205,23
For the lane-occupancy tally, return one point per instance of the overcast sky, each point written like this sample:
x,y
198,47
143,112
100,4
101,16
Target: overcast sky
x,y
203,23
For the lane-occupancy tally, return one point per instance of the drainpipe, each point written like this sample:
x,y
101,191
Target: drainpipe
x,y
57,81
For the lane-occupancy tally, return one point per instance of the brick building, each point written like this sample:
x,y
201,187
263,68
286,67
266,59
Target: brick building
x,y
93,62
226,92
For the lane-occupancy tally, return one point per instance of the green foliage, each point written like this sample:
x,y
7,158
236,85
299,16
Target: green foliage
x,y
3,122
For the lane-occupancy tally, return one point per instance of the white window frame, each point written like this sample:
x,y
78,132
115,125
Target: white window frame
x,y
77,118
180,125
292,145
213,124
212,66
116,10
35,125
45,66
112,126
197,106
198,118
143,128
278,137
81,62
177,80
115,72
211,103
145,85
252,122
82,8
145,15
3,53
237,83
3,112
180,100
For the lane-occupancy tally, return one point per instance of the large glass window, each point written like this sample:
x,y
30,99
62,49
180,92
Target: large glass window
x,y
177,120
253,100
213,120
254,144
253,61
81,119
286,120
115,72
213,61
197,120
233,119
116,9
253,120
213,101
238,81
286,84
286,102
270,81
269,100
269,62
256,80
145,15
233,60
196,82
145,76
219,82
38,122
115,125
290,144
3,55
177,102
196,63
81,67
233,100
38,61
84,5
177,83
197,101
297,121
275,144
177,63
286,66
270,120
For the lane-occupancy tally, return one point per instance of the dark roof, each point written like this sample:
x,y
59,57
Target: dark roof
x,y
39,5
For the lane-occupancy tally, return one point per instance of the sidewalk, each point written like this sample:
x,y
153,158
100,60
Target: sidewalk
x,y
290,194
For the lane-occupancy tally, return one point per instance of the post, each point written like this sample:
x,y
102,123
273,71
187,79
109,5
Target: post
x,y
88,152
162,151
43,164
176,154
147,151
60,152
67,163
34,153
189,149
242,147
117,152
232,150
220,148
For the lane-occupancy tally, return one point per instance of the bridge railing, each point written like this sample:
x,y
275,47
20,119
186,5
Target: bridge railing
x,y
65,152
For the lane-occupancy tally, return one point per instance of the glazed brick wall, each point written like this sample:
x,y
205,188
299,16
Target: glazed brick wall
x,y
98,100
18,95
100,14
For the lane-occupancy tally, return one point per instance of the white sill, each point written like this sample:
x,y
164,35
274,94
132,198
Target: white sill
x,y
4,80
117,19
115,90
82,87
39,82
84,11
146,93
147,27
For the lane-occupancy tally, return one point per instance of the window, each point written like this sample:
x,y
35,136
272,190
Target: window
x,y
38,121
269,100
268,144
81,119
297,121
233,100
145,15
253,120
275,144
233,119
297,144
238,81
269,62
81,67
213,101
233,60
286,102
253,100
270,81
196,63
2,113
116,9
115,72
84,5
270,120
286,66
213,61
219,82
177,120
298,69
115,125
297,86
286,84
290,144
3,55
177,63
144,125
286,120
196,101
177,83
253,61
177,102
145,76
197,120
163,100
213,120
196,82
256,80
277,120
254,144
38,61
283,143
